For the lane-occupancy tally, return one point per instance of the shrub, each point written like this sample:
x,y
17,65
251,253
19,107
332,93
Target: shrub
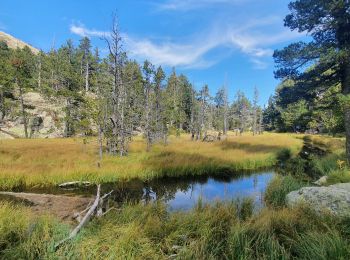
x,y
283,156
296,167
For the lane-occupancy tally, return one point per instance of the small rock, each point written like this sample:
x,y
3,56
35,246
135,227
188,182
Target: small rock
x,y
321,181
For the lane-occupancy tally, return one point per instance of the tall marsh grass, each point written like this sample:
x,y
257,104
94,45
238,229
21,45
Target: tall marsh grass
x,y
26,236
278,188
207,232
46,162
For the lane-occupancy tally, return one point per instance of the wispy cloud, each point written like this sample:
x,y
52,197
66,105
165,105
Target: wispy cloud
x,y
194,52
82,31
187,5
188,55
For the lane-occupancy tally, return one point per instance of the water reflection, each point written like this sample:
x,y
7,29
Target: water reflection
x,y
183,194
180,193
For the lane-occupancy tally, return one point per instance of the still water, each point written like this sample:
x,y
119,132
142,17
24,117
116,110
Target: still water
x,y
180,193
183,194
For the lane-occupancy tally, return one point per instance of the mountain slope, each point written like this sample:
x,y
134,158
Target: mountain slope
x,y
13,42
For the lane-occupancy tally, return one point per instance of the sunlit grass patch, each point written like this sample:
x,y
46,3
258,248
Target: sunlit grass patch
x,y
46,162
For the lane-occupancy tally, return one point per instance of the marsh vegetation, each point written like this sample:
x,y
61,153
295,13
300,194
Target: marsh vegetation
x,y
162,169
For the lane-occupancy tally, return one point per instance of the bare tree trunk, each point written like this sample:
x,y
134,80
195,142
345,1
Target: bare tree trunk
x,y
66,123
2,105
24,115
100,144
261,122
225,121
147,118
202,112
39,74
254,120
192,116
87,76
346,92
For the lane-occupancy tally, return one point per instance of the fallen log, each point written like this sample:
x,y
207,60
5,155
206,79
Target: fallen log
x,y
84,221
99,211
72,184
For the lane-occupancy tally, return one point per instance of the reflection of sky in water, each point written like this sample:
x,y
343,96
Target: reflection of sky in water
x,y
247,186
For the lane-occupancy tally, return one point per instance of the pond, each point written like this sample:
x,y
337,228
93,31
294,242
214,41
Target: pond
x,y
177,193
252,186
182,193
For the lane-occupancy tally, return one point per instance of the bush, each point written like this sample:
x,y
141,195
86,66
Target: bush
x,y
283,156
296,167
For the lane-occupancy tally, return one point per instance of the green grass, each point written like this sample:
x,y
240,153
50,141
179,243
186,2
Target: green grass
x,y
338,176
23,235
207,232
278,188
47,162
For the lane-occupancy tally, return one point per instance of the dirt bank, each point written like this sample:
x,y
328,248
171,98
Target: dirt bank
x,y
62,207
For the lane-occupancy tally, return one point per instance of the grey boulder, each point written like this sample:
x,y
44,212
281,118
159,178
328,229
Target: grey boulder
x,y
334,199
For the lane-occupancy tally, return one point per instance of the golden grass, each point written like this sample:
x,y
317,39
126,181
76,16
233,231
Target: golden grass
x,y
46,162
331,144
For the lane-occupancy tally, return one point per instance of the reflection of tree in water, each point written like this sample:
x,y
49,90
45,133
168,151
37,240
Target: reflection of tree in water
x,y
163,189
159,189
255,181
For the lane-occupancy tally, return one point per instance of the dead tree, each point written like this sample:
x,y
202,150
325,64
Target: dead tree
x,y
159,110
148,115
120,134
255,111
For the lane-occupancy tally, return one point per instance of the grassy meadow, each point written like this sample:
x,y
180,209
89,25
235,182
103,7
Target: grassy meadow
x,y
46,162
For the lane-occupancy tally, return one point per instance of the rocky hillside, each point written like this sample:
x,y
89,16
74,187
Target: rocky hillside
x,y
45,118
13,42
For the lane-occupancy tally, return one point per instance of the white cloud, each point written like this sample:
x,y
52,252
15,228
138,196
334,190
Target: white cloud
x,y
259,64
193,52
82,31
186,5
170,54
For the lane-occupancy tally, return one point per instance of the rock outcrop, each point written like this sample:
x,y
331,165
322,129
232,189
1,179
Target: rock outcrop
x,y
334,199
45,118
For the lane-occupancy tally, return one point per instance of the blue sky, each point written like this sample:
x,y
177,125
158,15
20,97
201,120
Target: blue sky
x,y
207,40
